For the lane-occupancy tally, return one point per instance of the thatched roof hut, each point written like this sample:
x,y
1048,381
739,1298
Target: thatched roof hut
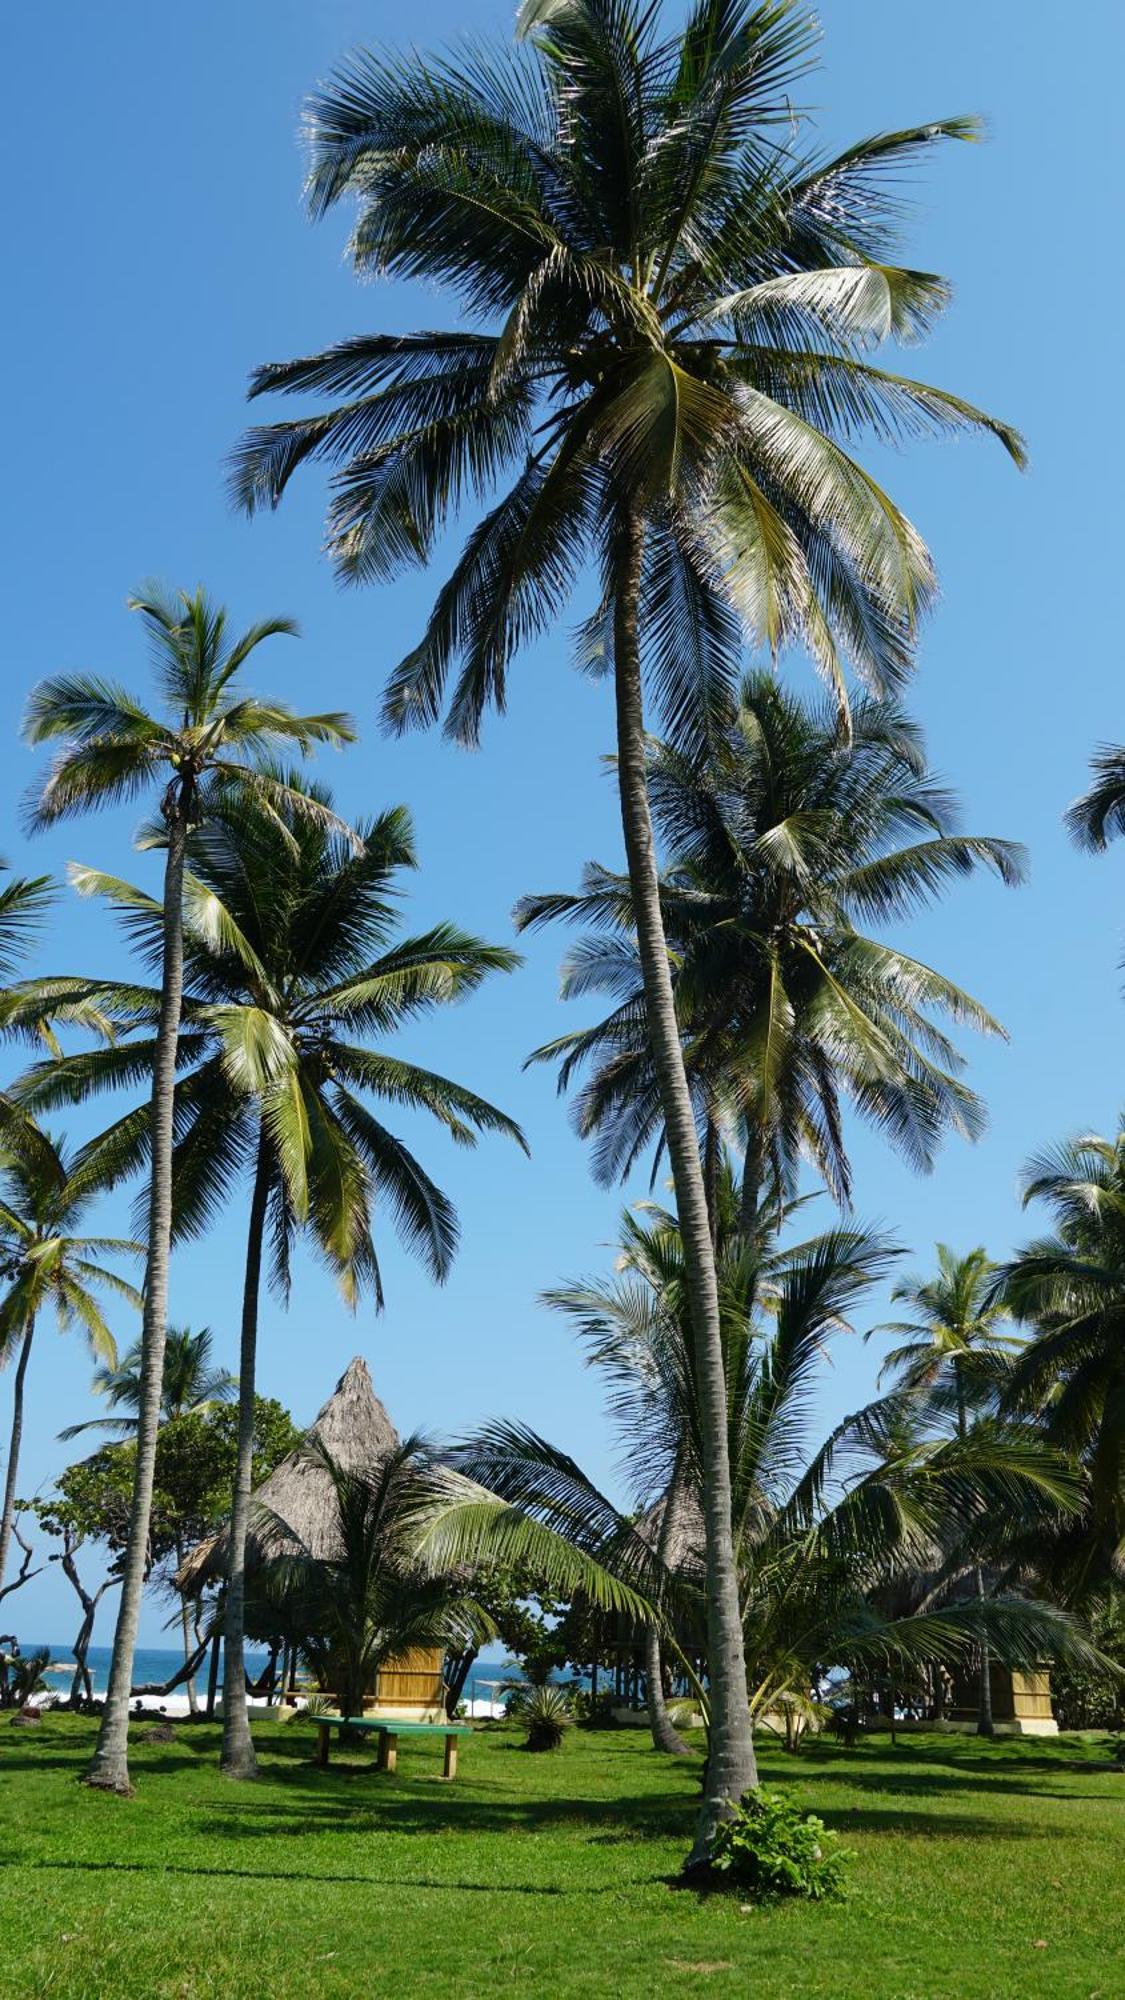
x,y
355,1428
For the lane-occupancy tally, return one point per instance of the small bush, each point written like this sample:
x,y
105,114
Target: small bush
x,y
548,1713
771,1848
597,1714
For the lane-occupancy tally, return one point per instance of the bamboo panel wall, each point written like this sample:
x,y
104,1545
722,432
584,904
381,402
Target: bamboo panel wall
x,y
411,1683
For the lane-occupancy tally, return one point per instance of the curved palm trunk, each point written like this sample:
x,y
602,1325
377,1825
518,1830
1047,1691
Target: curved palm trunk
x,y
109,1768
14,1442
665,1735
731,1767
237,1758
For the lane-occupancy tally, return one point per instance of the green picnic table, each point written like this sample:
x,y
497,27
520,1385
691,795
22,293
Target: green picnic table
x,y
388,1730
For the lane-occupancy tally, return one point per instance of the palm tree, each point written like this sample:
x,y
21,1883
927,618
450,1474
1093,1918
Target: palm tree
x,y
1070,1287
824,1538
207,736
43,1198
669,307
292,965
955,1354
370,1600
1099,815
24,902
191,1383
784,844
636,1329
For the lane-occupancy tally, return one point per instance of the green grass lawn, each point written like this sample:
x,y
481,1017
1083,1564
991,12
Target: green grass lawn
x,y
981,1872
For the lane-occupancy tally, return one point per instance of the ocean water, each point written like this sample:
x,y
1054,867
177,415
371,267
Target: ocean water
x,y
153,1663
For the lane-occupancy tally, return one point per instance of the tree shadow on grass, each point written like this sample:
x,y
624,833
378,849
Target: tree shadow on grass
x,y
329,1877
400,1812
992,1782
898,1820
1007,1759
75,1764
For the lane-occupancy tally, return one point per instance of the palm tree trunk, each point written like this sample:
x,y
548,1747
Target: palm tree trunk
x,y
665,1735
711,1178
985,1724
14,1442
750,1192
237,1757
109,1768
731,1767
189,1648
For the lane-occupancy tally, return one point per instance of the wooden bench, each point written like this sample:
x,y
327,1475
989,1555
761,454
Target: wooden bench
x,y
388,1730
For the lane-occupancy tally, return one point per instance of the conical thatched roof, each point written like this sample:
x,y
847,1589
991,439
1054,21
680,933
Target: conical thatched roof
x,y
687,1535
355,1428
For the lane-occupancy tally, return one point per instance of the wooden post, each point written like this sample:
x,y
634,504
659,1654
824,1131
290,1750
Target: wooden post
x,y
323,1733
388,1750
450,1770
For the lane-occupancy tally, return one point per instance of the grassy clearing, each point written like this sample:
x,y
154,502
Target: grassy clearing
x,y
981,1872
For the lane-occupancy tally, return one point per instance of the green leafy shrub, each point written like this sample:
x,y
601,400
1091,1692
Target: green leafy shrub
x,y
769,1847
548,1713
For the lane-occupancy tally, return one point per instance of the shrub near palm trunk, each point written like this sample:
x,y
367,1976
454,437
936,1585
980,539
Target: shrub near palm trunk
x,y
770,1848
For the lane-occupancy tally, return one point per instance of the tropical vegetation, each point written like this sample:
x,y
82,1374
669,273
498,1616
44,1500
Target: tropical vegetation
x,y
292,966
665,316
667,309
205,739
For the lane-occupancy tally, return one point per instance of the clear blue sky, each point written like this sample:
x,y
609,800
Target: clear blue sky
x,y
155,249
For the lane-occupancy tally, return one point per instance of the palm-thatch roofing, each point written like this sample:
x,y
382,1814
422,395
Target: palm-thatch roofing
x,y
355,1429
685,1548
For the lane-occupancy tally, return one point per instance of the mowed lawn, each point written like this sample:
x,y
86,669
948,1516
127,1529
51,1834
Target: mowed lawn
x,y
980,1872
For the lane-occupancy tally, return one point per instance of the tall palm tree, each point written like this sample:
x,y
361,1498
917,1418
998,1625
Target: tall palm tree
x,y
1070,1287
785,846
43,1198
293,965
191,1382
206,736
955,1355
669,309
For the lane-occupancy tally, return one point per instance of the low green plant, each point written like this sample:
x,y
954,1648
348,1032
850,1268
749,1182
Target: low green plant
x,y
317,1706
25,1677
770,1848
547,1712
